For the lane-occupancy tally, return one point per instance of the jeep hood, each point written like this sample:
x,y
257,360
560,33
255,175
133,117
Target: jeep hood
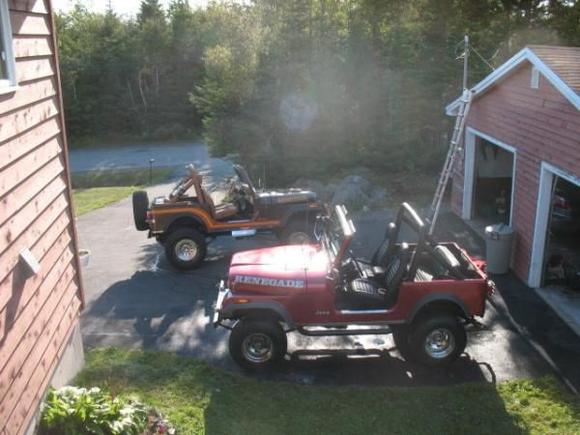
x,y
289,196
278,269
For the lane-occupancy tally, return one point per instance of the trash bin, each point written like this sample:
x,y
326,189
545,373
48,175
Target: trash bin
x,y
498,242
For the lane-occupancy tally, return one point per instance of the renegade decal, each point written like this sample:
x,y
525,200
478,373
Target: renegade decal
x,y
269,282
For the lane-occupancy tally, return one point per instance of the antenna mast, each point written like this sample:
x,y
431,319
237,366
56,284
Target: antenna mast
x,y
465,60
454,146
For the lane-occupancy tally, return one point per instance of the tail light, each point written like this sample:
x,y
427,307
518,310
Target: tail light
x,y
149,218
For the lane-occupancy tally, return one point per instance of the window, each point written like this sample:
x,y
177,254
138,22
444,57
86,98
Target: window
x,y
7,70
535,79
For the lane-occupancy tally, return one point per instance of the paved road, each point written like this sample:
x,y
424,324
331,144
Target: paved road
x,y
135,299
137,156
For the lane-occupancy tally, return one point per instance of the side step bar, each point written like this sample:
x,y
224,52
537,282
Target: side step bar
x,y
343,331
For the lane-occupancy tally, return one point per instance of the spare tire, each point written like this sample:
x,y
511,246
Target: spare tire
x,y
140,207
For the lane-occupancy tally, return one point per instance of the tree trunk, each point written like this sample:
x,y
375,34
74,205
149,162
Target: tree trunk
x,y
141,90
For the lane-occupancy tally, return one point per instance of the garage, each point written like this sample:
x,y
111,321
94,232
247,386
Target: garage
x,y
521,166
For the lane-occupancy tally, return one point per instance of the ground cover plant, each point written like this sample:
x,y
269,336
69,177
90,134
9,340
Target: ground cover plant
x,y
73,410
198,398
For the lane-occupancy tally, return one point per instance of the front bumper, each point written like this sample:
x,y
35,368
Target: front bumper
x,y
223,291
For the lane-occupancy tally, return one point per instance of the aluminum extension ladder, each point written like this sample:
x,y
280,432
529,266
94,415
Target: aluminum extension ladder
x,y
454,149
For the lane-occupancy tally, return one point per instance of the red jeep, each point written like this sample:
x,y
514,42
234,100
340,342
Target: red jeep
x,y
423,293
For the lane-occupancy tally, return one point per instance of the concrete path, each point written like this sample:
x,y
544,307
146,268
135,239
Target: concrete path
x,y
135,299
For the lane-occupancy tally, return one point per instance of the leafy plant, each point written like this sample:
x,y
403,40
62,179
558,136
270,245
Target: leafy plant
x,y
72,410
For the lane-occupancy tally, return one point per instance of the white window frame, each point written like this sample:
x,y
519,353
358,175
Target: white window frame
x,y
548,174
9,84
471,135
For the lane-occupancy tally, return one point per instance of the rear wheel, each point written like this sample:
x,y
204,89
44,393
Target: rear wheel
x,y
437,341
140,207
257,344
185,248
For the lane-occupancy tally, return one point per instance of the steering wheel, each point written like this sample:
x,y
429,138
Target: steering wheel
x,y
356,265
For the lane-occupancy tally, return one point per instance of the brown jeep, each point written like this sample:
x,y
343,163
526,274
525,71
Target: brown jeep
x,y
187,220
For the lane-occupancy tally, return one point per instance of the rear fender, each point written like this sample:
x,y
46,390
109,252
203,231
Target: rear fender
x,y
189,220
439,303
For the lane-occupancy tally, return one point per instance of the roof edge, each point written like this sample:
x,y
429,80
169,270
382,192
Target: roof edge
x,y
526,54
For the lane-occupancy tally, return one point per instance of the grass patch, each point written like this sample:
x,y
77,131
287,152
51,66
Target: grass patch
x,y
96,189
119,177
200,399
86,200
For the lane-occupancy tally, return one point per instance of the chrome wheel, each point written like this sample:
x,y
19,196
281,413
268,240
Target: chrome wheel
x,y
186,250
439,343
257,348
299,238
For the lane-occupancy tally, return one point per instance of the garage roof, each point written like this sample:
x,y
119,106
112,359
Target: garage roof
x,y
559,65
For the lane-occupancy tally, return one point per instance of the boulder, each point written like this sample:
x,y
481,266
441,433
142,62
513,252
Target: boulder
x,y
323,191
356,192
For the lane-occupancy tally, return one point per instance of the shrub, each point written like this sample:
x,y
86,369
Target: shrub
x,y
72,410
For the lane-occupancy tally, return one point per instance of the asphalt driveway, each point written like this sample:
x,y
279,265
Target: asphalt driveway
x,y
138,156
135,299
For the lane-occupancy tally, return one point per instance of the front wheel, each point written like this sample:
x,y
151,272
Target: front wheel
x,y
257,344
438,341
185,248
297,234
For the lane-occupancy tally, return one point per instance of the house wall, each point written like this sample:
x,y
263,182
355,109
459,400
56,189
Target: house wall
x,y
38,313
543,126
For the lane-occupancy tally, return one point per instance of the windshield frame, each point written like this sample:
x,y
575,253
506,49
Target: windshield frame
x,y
337,247
244,177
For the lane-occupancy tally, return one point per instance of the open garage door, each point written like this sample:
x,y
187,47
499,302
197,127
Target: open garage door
x,y
489,180
555,266
562,257
492,199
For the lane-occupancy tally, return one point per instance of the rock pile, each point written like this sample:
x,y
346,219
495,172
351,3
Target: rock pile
x,y
356,192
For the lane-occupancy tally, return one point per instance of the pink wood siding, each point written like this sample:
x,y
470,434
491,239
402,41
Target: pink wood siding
x,y
37,313
543,126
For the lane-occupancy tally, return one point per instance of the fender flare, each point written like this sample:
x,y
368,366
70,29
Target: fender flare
x,y
300,211
183,218
235,311
441,297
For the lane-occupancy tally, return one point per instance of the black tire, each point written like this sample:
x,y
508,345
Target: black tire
x,y
401,339
140,207
445,333
297,232
266,333
181,240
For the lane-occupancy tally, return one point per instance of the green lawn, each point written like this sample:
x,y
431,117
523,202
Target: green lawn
x,y
96,189
119,177
86,200
200,399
